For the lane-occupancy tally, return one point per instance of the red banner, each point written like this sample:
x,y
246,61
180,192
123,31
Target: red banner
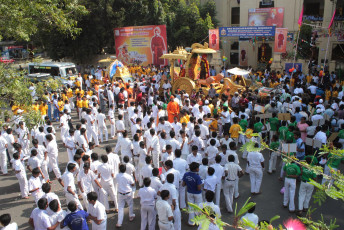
x,y
214,42
266,17
281,36
141,45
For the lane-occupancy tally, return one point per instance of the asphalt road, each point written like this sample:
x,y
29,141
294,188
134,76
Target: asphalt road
x,y
269,202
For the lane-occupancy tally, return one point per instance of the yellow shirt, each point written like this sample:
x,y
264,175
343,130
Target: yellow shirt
x,y
335,94
185,119
43,109
69,93
327,95
77,83
79,103
90,92
248,133
61,105
77,91
234,130
64,97
211,107
35,107
309,78
85,104
14,109
82,93
213,126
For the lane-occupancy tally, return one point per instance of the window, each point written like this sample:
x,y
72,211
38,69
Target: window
x,y
235,15
235,46
313,10
234,58
266,4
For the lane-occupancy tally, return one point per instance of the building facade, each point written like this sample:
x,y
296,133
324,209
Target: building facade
x,y
317,14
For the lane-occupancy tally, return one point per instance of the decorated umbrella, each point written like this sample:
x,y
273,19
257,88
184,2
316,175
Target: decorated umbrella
x,y
113,68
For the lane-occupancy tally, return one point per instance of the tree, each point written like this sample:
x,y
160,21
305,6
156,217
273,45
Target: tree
x,y
20,19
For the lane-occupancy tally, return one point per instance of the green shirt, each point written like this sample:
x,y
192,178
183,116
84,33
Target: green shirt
x,y
314,160
293,124
282,132
341,134
274,145
243,124
274,123
307,174
292,170
258,127
289,136
333,161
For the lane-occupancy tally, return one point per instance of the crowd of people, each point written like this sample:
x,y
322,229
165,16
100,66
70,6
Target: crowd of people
x,y
172,147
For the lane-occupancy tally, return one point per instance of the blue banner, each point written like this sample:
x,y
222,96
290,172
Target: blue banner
x,y
247,31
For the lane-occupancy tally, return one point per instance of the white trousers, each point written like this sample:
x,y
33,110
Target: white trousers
x,y
44,169
53,164
289,193
256,177
236,189
71,154
165,226
70,197
305,195
24,188
110,188
327,171
148,216
228,192
101,131
181,190
122,199
156,156
3,162
177,219
113,129
273,161
195,199
218,193
64,131
91,133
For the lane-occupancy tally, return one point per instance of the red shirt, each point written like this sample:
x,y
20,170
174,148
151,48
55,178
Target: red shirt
x,y
121,98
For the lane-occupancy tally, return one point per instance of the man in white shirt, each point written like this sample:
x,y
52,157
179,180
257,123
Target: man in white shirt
x,y
39,218
181,166
70,144
3,157
106,175
101,121
219,171
232,173
69,185
153,145
125,183
91,127
64,125
52,151
251,217
5,221
255,162
164,211
111,116
96,212
126,146
147,197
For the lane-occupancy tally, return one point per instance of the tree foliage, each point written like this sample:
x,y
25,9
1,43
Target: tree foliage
x,y
20,19
187,22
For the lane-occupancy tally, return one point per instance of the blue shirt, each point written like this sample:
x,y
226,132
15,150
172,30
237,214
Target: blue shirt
x,y
297,117
300,145
192,180
76,220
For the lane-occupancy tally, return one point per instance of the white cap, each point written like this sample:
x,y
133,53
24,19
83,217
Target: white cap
x,y
321,101
20,111
236,93
206,102
319,110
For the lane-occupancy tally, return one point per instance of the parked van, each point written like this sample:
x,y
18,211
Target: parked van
x,y
58,70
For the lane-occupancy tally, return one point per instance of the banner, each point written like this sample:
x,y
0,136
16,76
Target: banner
x,y
214,42
141,45
243,57
248,31
266,17
281,36
297,66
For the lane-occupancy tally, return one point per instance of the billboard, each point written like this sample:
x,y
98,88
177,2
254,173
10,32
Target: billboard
x,y
141,45
248,31
281,36
214,42
266,17
297,66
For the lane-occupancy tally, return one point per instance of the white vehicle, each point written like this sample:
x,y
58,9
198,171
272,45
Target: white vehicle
x,y
58,70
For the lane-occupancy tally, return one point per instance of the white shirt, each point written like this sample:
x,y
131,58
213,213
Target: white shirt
x,y
126,147
255,159
321,136
147,196
52,149
124,182
33,183
251,217
101,118
87,180
105,170
40,219
18,166
68,180
210,183
114,161
181,165
98,210
57,217
155,183
146,171
11,226
219,170
227,117
164,211
191,158
232,170
173,192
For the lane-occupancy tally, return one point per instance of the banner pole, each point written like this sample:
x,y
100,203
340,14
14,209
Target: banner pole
x,y
328,42
297,43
